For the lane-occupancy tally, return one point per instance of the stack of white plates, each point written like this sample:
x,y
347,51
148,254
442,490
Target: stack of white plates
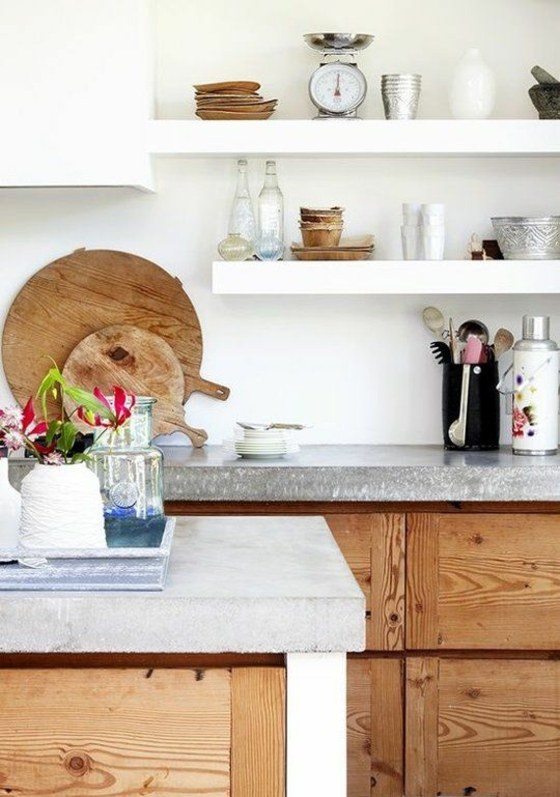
x,y
262,444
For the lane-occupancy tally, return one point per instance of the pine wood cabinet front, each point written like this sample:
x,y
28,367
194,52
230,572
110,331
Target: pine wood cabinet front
x,y
486,728
488,581
133,731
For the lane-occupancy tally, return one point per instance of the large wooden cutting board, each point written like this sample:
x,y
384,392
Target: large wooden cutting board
x,y
142,363
85,291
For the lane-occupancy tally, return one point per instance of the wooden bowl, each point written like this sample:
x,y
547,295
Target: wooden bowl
x,y
327,235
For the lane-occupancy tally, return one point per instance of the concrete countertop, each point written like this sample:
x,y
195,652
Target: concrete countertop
x,y
236,585
355,473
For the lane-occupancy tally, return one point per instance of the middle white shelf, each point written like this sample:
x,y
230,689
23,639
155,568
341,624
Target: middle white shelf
x,y
387,277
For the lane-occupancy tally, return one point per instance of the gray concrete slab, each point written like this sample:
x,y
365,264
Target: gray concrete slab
x,y
355,473
240,585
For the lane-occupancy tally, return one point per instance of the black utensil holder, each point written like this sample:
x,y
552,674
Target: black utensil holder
x,y
483,410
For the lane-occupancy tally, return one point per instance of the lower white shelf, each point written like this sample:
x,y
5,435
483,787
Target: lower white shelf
x,y
386,277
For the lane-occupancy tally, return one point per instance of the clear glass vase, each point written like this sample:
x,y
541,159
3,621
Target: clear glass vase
x,y
130,473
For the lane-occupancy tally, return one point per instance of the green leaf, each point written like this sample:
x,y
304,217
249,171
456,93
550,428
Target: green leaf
x,y
52,431
86,399
81,457
67,437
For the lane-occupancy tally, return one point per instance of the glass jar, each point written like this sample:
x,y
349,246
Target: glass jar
x,y
130,472
234,247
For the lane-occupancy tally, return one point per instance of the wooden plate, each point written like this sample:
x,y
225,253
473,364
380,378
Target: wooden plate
x,y
141,362
263,107
228,85
351,242
233,115
83,292
329,254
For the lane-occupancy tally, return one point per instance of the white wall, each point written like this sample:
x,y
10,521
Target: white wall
x,y
357,368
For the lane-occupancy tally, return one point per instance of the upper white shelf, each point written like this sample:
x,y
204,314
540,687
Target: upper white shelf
x,y
307,138
389,277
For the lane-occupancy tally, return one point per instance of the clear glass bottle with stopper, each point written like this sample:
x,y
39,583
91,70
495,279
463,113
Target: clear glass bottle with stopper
x,y
242,216
270,239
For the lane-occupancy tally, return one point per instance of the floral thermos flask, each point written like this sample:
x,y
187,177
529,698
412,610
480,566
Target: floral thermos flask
x,y
130,472
535,389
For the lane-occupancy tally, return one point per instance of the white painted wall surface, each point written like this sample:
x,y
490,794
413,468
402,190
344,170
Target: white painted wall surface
x,y
357,368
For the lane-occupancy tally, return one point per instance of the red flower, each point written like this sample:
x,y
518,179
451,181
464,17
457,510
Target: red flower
x,y
30,427
117,411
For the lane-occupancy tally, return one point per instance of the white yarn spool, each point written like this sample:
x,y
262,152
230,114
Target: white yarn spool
x,y
62,508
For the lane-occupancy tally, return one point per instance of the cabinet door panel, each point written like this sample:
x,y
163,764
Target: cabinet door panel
x,y
482,727
375,728
483,581
373,546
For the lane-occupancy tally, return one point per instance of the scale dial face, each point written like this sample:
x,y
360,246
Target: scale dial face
x,y
337,88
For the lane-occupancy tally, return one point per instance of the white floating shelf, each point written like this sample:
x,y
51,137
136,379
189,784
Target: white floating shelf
x,y
388,277
361,138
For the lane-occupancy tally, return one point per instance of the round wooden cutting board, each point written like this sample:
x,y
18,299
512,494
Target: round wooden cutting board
x,y
142,363
86,291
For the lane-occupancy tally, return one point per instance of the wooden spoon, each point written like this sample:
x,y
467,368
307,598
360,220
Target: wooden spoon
x,y
503,341
434,320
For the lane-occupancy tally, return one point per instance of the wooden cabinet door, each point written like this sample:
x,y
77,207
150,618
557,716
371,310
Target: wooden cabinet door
x,y
483,582
159,732
373,546
375,727
486,728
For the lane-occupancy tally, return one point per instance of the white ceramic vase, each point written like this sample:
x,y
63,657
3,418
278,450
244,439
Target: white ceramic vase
x,y
62,508
10,507
473,88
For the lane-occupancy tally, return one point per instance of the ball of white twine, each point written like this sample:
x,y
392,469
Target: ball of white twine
x,y
62,508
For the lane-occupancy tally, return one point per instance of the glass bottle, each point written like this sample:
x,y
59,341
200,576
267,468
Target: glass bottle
x,y
130,472
271,206
234,247
242,217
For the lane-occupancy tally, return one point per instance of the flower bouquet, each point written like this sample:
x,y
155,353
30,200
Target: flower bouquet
x,y
62,506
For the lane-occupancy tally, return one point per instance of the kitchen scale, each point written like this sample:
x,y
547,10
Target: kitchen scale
x,y
338,88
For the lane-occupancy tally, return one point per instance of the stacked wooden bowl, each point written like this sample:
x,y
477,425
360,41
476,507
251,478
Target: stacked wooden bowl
x,y
321,226
321,231
236,99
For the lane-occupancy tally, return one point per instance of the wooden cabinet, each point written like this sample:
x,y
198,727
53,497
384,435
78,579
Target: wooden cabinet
x,y
142,731
374,547
489,581
482,727
375,727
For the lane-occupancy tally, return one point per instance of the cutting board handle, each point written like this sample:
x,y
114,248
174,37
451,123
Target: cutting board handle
x,y
197,383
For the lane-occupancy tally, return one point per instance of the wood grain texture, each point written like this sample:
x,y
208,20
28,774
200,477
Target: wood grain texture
x,y
373,546
360,507
141,362
115,732
489,581
258,704
422,581
90,289
499,728
387,731
359,730
421,742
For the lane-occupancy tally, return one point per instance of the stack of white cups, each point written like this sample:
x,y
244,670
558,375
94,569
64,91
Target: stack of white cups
x,y
411,231
423,231
433,231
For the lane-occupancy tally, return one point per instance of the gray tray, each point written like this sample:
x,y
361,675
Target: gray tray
x,y
84,569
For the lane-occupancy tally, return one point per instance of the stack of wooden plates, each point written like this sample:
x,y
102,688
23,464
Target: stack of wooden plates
x,y
236,99
358,248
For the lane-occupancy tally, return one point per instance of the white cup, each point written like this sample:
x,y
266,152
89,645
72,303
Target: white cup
x,y
411,237
433,213
412,214
433,242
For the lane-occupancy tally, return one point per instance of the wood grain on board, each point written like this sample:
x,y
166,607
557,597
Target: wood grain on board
x,y
85,291
142,363
258,732
115,732
484,581
421,741
373,545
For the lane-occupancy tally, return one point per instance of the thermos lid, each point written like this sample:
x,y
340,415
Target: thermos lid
x,y
536,327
